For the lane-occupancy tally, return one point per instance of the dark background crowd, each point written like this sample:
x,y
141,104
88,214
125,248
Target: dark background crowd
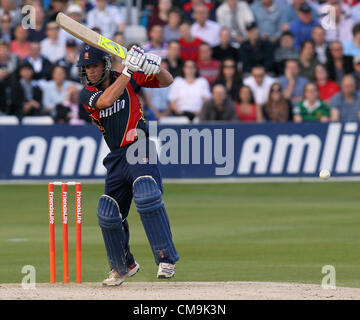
x,y
232,60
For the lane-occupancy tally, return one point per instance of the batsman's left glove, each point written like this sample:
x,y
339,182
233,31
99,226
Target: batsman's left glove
x,y
151,64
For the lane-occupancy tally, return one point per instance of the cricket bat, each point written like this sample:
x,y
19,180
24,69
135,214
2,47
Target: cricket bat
x,y
89,36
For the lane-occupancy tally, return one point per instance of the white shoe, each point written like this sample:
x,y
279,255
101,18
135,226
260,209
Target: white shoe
x,y
166,270
115,279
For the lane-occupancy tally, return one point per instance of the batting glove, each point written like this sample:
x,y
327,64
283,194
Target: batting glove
x,y
133,61
151,64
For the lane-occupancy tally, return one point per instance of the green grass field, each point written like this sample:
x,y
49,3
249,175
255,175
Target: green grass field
x,y
283,232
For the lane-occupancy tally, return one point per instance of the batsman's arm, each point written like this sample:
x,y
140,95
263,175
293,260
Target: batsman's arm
x,y
164,77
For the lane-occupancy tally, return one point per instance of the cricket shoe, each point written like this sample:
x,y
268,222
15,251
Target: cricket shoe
x,y
166,270
115,279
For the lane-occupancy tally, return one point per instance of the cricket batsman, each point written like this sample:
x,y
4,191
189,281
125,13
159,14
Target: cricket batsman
x,y
111,101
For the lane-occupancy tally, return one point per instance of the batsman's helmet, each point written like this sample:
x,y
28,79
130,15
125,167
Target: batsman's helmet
x,y
91,55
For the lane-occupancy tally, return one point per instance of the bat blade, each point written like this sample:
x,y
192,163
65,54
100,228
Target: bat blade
x,y
89,36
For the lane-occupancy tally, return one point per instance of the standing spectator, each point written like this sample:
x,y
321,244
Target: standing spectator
x,y
327,88
302,27
55,90
277,108
171,29
235,15
322,48
356,73
338,64
219,108
259,83
284,52
343,26
39,33
189,46
6,31
246,109
345,105
352,47
292,84
225,50
207,66
307,60
106,17
160,15
269,18
42,66
256,51
8,61
311,108
205,29
52,47
229,77
69,62
19,46
174,63
188,92
156,43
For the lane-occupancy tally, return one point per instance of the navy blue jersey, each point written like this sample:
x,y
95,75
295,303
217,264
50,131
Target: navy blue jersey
x,y
119,121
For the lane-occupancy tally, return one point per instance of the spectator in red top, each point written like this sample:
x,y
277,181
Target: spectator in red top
x,y
208,67
327,88
161,14
19,46
246,109
189,46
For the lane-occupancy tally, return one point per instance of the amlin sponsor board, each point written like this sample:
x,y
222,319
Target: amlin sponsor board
x,y
197,151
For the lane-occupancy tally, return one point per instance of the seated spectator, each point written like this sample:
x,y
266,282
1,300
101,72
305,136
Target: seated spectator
x,y
8,61
188,92
205,29
311,108
19,46
338,64
219,108
225,50
6,31
292,84
277,108
106,17
235,15
208,67
174,63
256,51
259,83
10,7
322,48
52,48
160,15
291,12
355,13
26,96
156,43
55,90
189,46
171,29
269,17
75,12
246,109
69,62
345,105
188,9
56,7
42,66
301,28
356,73
230,78
327,88
71,111
341,30
352,47
307,60
156,99
39,33
284,52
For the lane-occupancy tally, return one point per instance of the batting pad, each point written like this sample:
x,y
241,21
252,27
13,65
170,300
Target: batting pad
x,y
109,219
147,198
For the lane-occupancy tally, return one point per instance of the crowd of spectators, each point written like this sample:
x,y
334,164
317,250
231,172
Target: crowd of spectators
x,y
232,60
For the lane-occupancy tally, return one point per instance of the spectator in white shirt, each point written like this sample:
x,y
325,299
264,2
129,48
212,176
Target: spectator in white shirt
x,y
106,17
52,47
260,84
343,26
188,92
205,29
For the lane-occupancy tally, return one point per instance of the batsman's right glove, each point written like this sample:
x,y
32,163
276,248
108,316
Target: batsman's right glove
x,y
151,64
133,61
